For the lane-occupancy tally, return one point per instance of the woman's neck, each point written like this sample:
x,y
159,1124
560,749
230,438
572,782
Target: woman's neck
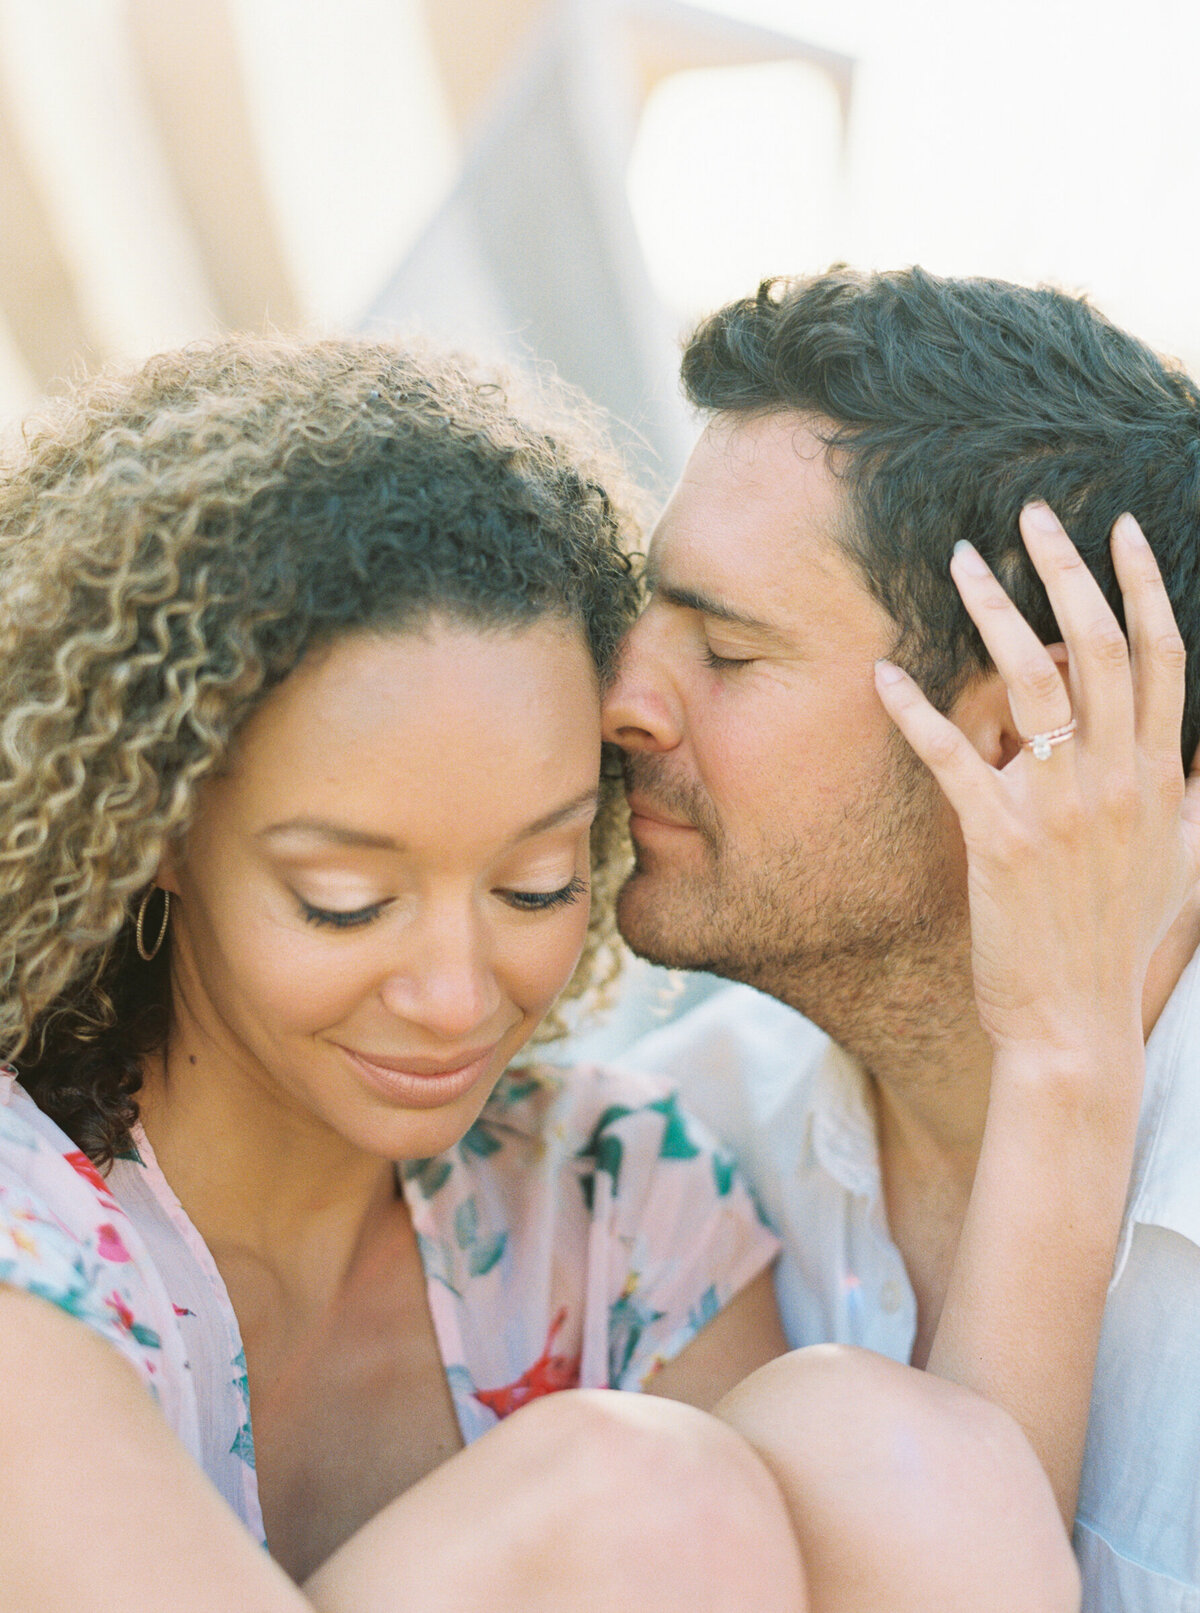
x,y
262,1181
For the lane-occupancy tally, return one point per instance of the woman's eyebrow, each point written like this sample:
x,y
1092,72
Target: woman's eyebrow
x,y
326,829
580,807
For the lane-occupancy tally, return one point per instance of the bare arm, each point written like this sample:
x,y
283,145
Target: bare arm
x,y
99,1504
1077,865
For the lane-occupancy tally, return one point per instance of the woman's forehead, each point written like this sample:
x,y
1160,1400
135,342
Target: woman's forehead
x,y
443,720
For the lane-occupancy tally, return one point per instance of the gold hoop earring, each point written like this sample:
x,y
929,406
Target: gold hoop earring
x,y
139,935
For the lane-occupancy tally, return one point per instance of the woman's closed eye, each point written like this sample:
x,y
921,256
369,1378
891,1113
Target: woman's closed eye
x,y
341,918
338,918
544,901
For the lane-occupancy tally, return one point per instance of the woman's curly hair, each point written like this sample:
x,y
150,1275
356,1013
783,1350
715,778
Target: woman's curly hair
x,y
172,544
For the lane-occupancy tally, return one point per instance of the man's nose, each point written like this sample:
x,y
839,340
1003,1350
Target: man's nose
x,y
642,707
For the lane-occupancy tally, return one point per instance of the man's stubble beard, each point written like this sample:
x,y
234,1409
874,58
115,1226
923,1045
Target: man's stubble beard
x,y
861,926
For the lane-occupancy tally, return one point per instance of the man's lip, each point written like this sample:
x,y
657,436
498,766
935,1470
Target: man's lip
x,y
405,1064
640,809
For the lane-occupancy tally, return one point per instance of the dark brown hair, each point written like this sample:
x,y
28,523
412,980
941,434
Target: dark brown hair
x,y
949,404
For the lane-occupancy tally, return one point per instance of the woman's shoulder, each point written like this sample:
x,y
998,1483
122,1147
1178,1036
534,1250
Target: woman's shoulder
x,y
569,1101
543,1116
66,1239
546,1124
38,1160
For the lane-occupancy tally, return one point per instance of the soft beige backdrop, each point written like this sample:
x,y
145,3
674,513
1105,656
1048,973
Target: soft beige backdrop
x,y
171,166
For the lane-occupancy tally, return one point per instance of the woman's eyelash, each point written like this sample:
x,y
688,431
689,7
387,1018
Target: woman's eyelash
x,y
339,918
526,901
541,901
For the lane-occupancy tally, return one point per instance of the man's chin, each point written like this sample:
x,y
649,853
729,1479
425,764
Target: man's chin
x,y
655,927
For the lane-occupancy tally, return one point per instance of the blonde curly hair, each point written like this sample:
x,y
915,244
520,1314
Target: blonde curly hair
x,y
172,544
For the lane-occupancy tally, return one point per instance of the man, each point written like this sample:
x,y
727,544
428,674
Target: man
x,y
858,427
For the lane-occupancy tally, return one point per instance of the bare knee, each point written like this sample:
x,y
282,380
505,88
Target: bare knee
x,y
892,1474
669,1505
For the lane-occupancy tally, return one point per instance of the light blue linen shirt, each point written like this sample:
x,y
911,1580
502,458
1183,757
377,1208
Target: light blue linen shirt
x,y
797,1112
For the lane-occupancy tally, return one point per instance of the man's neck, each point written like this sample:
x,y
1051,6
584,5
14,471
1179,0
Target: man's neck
x,y
1174,953
916,1033
907,1014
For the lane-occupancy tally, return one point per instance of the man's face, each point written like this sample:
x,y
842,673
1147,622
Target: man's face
x,y
785,834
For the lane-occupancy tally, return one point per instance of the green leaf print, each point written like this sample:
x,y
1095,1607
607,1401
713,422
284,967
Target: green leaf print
x,y
466,1223
676,1144
627,1321
436,1261
243,1445
430,1175
485,1255
509,1093
605,1151
145,1335
723,1168
478,1141
700,1315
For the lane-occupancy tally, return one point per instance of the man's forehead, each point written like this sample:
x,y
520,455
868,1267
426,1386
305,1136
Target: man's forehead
x,y
756,513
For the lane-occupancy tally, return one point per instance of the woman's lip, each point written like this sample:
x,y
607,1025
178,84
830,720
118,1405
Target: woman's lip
x,y
407,1064
417,1088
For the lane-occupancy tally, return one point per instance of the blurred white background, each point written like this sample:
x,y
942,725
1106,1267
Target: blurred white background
x,y
574,181
171,166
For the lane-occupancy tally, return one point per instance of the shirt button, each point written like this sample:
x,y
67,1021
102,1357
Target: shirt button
x,y
891,1297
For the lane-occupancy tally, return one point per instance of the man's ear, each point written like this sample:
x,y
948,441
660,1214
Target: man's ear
x,y
983,713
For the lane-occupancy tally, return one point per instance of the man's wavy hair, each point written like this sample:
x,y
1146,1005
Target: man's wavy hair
x,y
949,404
172,544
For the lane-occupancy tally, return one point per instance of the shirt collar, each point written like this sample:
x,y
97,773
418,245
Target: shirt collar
x,y
842,1137
1165,1185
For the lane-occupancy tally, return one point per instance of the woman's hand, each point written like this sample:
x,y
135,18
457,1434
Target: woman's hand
x,y
1081,851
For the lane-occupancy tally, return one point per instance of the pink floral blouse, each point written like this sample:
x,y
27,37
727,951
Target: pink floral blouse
x,y
581,1234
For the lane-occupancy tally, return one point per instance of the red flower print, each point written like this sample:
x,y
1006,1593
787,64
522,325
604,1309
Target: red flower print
x,y
82,1166
78,1161
548,1374
124,1314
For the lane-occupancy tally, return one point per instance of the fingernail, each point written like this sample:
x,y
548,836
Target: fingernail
x,y
969,558
1040,515
1128,531
887,672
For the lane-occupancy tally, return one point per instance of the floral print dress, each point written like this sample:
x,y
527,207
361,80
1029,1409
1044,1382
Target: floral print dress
x,y
579,1235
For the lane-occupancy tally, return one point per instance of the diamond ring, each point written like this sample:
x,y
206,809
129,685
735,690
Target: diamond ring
x,y
1042,744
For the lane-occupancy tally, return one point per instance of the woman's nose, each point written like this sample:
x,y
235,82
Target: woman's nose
x,y
447,984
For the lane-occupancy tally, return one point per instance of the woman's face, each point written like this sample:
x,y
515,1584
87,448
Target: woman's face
x,y
382,895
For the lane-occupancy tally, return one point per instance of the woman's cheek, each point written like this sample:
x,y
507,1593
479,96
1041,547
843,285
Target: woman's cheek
x,y
545,968
301,979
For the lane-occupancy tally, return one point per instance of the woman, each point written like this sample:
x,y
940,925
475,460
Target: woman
x,y
301,650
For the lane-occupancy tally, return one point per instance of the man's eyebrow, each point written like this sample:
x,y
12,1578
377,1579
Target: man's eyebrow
x,y
706,605
694,599
341,834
